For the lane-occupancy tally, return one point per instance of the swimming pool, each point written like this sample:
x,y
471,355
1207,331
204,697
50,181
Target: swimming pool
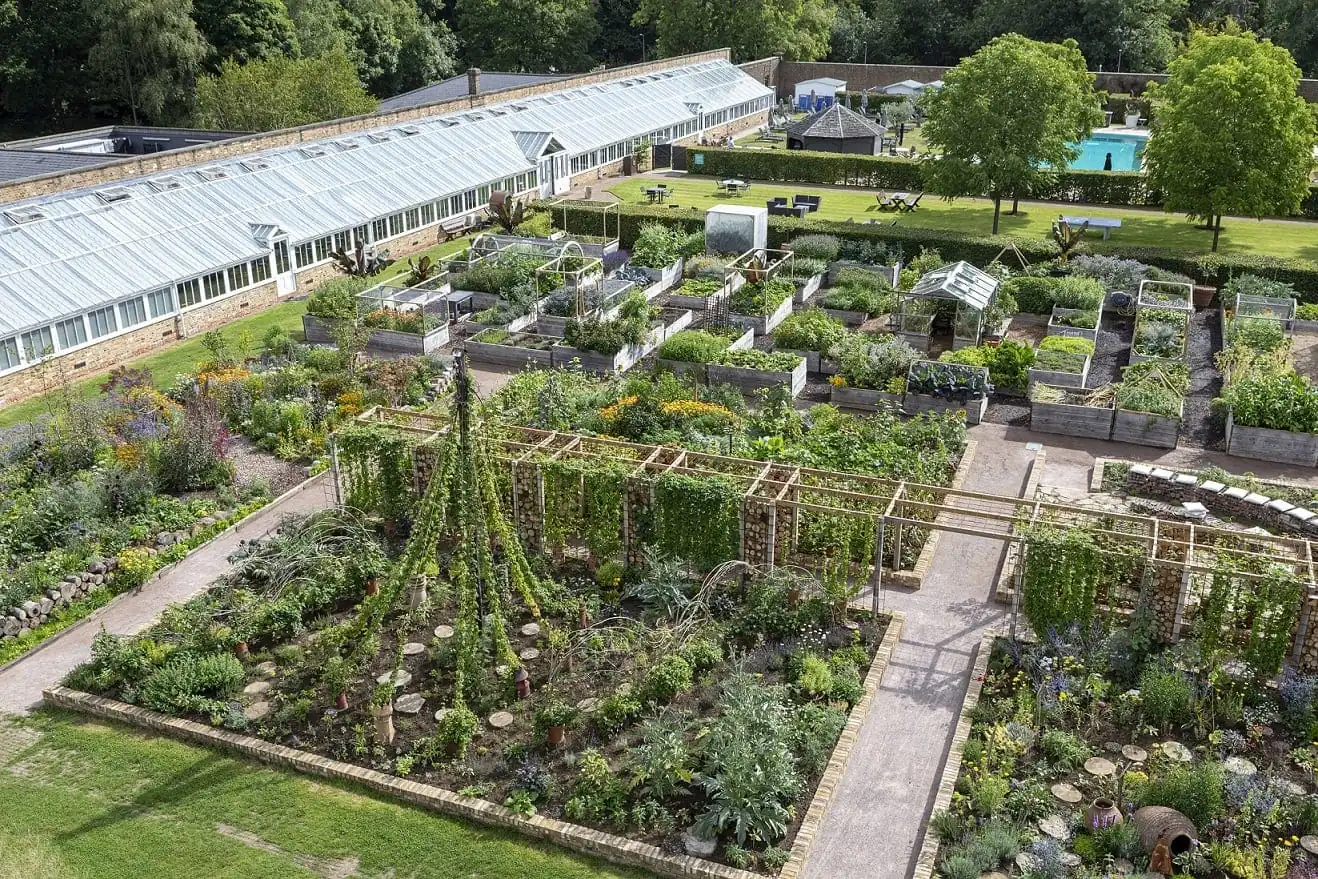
x,y
1126,151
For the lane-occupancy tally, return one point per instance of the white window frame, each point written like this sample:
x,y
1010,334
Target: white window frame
x,y
94,319
28,351
189,293
239,277
11,357
213,287
62,334
132,312
260,269
153,300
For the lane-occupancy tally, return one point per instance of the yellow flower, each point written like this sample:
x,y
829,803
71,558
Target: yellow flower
x,y
1061,697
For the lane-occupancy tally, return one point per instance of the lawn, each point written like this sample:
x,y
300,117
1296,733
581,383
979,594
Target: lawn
x,y
88,801
183,357
975,216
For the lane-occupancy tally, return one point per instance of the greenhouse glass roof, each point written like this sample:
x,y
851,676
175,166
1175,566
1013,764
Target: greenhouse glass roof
x,y
63,254
960,281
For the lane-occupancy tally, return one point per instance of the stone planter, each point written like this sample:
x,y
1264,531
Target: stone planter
x,y
1061,329
1103,813
863,398
748,380
1066,419
762,324
1059,379
384,723
1267,444
1143,429
807,288
914,404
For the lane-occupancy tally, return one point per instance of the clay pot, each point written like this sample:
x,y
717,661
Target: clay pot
x,y
1203,297
341,701
1163,823
554,737
372,586
523,682
241,650
1103,813
416,595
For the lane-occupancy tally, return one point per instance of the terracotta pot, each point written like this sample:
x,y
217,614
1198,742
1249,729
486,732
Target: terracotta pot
x,y
372,586
794,596
341,701
1162,823
1103,813
555,736
1203,296
241,650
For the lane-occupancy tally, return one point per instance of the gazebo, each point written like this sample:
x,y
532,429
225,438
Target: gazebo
x,y
972,289
836,130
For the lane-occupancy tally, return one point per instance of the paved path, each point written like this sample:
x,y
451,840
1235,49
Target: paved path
x,y
21,683
875,823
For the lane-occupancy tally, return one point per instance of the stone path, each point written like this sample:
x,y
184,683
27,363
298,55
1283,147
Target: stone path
x,y
21,682
875,823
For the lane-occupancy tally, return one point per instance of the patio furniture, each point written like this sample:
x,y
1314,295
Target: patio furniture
x,y
810,201
909,204
779,201
733,187
656,194
1107,224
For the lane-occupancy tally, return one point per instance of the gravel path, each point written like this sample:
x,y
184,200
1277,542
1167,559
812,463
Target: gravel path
x,y
1111,350
1200,425
254,464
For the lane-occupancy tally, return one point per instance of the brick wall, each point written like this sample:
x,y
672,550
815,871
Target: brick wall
x,y
204,153
863,76
765,70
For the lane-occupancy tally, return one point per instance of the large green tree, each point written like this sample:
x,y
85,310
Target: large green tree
x,y
531,35
798,30
394,47
1006,116
1230,135
281,92
619,41
245,30
1294,24
147,55
44,78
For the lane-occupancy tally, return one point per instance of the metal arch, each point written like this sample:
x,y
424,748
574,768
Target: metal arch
x,y
563,251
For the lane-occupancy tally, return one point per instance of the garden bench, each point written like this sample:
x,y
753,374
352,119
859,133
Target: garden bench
x,y
810,202
452,228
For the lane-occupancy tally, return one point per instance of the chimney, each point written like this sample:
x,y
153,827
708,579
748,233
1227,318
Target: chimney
x,y
474,81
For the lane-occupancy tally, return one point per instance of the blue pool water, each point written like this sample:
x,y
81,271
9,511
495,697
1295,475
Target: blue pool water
x,y
1126,152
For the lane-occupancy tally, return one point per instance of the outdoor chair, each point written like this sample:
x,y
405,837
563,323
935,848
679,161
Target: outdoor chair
x,y
777,202
810,201
910,204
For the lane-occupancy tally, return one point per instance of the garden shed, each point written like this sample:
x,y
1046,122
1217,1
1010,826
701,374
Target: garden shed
x,y
973,291
812,94
836,130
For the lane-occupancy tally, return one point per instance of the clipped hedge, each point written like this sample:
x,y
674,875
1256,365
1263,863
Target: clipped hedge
x,y
852,100
1207,268
888,172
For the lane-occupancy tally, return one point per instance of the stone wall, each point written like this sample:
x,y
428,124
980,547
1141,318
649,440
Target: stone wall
x,y
1221,500
121,169
764,70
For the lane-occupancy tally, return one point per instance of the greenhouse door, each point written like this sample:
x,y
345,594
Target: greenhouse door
x,y
285,278
547,177
562,178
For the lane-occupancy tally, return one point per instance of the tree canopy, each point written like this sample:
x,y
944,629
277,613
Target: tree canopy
x,y
798,30
522,35
1007,116
245,30
281,92
147,55
1230,134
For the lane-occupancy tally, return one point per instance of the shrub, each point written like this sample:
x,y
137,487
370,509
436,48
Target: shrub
x,y
1260,333
813,733
336,299
1038,295
454,733
667,679
1195,791
774,858
656,246
1166,696
814,678
693,346
598,794
188,682
1118,841
824,247
987,793
538,224
949,826
615,712
1063,750
864,362
809,330
702,654
1008,363
737,856
609,336
752,358
1113,272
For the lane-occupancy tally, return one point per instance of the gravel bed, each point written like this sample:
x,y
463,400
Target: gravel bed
x,y
1004,409
254,464
1111,350
1200,425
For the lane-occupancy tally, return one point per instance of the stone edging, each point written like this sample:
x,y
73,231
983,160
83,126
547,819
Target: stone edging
x,y
837,763
100,611
610,847
924,864
914,579
1007,577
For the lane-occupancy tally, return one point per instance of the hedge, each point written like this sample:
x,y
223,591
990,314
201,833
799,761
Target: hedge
x,y
852,100
1214,269
888,172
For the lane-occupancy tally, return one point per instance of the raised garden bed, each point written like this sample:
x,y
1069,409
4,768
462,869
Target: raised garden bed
x,y
1267,444
914,404
934,386
1068,415
862,398
763,324
850,318
1145,429
1057,325
319,332
1059,378
511,349
749,379
698,369
806,288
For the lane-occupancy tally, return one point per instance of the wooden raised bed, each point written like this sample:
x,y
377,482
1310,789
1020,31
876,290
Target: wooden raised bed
x,y
863,398
318,331
1269,444
508,355
1143,429
807,288
914,404
763,324
748,380
850,318
1059,379
664,278
1059,329
1068,419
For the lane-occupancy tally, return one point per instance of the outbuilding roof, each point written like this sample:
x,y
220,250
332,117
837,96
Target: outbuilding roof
x,y
960,281
835,121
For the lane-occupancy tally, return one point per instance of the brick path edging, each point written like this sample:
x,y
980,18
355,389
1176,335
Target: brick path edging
x,y
1006,585
837,763
610,847
924,864
914,578
159,572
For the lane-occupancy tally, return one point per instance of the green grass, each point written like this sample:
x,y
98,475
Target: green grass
x,y
183,357
83,800
975,216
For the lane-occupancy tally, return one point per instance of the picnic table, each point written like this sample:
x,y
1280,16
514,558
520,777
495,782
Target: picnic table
x,y
733,186
656,193
1107,224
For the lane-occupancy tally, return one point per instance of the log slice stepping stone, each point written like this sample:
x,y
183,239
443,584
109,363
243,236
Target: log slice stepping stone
x,y
1067,793
1100,766
443,632
1027,861
529,654
401,678
1293,788
409,703
1239,766
589,704
257,710
501,719
264,670
1070,860
1176,751
413,648
1134,753
256,688
1054,826
1309,844
530,630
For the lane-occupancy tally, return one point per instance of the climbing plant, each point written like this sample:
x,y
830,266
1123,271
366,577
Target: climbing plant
x,y
1062,570
376,468
1276,602
698,518
584,499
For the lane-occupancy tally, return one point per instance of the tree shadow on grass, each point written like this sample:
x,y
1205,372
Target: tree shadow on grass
x,y
196,778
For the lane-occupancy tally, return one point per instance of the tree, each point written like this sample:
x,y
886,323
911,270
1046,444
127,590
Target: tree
x,y
43,61
619,41
394,47
148,55
1294,24
798,30
1007,116
859,36
316,26
245,30
534,35
1230,134
281,92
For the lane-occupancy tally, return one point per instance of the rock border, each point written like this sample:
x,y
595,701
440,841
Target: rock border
x,y
584,840
914,579
924,863
837,763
